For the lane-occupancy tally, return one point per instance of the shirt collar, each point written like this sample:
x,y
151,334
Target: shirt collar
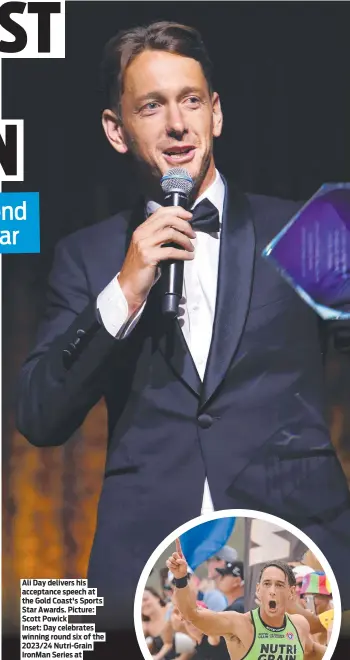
x,y
215,193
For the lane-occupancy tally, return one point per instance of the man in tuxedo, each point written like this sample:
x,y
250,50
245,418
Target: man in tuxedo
x,y
220,408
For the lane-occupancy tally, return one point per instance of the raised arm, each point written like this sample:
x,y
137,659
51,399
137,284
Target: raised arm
x,y
210,623
315,625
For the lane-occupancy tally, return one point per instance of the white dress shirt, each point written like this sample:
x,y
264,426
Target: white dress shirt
x,y
197,306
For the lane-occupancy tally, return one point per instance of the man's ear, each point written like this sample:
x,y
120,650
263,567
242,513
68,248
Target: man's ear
x,y
217,115
292,593
113,129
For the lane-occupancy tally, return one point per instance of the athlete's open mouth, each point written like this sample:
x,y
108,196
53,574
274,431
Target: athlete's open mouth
x,y
272,604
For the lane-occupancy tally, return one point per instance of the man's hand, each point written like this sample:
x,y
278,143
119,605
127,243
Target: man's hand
x,y
177,564
167,225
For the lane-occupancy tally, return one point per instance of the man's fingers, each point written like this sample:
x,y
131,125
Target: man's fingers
x,y
172,563
169,217
176,211
171,235
178,547
175,254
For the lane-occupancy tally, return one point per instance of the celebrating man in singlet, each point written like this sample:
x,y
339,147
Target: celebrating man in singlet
x,y
267,633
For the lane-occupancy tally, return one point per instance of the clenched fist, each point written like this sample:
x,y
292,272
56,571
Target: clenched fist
x,y
176,563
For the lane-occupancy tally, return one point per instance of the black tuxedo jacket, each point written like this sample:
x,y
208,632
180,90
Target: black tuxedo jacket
x,y
255,426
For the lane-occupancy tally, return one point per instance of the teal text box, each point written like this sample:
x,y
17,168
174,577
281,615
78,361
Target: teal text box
x,y
19,223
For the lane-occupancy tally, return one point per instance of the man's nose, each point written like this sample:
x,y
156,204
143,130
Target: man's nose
x,y
176,125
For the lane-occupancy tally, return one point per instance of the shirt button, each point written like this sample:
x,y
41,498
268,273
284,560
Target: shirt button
x,y
205,421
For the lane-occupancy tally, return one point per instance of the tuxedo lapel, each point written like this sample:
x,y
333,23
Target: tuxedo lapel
x,y
173,346
236,263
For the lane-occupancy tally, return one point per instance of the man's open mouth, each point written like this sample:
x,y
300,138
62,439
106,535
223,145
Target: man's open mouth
x,y
272,604
179,151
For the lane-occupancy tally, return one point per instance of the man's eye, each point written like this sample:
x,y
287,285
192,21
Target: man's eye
x,y
150,107
193,100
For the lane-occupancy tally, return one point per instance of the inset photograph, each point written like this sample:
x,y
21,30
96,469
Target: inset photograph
x,y
237,586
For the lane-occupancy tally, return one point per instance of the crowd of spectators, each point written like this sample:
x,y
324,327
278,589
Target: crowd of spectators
x,y
221,587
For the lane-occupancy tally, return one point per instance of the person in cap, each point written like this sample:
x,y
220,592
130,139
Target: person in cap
x,y
231,583
225,554
219,560
315,588
315,585
268,632
300,573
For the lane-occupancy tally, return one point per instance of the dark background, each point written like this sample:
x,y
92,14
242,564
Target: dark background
x,y
283,73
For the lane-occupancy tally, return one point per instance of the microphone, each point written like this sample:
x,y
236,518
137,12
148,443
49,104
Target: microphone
x,y
176,185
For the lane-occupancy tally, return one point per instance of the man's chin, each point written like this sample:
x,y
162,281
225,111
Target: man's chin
x,y
197,172
272,608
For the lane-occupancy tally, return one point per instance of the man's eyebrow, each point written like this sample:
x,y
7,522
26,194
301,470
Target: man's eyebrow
x,y
156,95
191,90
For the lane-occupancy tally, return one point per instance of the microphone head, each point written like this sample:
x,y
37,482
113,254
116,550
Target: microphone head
x,y
177,180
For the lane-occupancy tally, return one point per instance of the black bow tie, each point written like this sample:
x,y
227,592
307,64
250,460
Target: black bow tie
x,y
205,217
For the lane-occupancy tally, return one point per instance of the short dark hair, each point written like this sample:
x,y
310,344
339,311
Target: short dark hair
x,y
287,570
155,593
168,36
